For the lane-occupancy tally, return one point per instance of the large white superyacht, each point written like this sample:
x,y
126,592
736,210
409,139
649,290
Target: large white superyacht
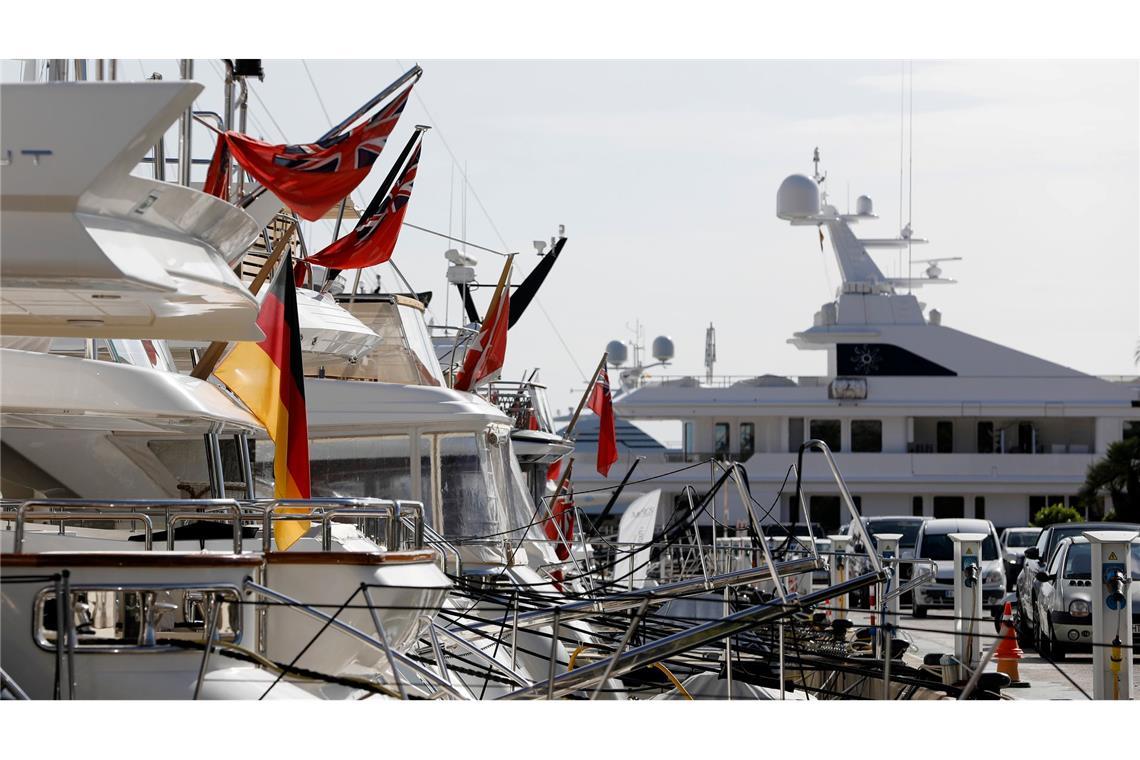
x,y
924,419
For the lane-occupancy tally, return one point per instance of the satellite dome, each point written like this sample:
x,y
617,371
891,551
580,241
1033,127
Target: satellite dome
x,y
662,348
863,206
797,198
617,352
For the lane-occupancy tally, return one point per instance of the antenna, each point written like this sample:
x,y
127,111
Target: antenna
x,y
710,352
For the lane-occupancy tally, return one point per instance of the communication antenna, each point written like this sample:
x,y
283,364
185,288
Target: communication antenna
x,y
710,352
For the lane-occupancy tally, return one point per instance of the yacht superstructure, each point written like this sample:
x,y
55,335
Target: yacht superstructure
x,y
924,419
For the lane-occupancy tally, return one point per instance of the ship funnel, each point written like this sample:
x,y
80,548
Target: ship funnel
x,y
797,198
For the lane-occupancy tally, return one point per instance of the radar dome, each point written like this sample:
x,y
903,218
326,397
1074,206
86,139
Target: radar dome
x,y
663,348
797,198
617,352
863,206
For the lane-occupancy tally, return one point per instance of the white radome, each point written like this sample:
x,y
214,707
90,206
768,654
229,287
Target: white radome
x,y
863,206
618,352
663,348
797,198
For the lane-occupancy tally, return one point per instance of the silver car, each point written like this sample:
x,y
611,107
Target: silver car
x,y
1065,597
934,543
1014,542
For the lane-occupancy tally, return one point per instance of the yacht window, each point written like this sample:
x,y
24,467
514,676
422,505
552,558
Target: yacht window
x,y
985,437
825,511
980,507
376,467
469,494
747,440
114,618
152,354
944,437
419,341
720,439
916,506
828,432
949,506
428,488
867,435
687,438
795,433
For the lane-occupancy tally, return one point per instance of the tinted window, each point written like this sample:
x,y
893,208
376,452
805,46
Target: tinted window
x,y
1021,539
720,438
938,546
826,431
908,529
949,506
747,440
867,435
1078,562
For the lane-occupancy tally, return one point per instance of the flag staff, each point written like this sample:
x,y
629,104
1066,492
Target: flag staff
x,y
374,205
213,353
589,389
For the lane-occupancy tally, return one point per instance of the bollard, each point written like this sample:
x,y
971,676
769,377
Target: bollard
x,y
967,597
1112,612
838,570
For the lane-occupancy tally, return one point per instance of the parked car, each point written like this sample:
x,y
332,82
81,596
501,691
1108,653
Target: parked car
x,y
1066,593
934,543
1036,559
905,525
1014,542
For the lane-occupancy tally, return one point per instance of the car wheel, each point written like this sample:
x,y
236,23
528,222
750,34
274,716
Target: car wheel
x,y
1058,649
1044,644
918,611
1024,633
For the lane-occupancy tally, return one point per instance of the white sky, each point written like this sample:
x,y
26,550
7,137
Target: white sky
x,y
665,174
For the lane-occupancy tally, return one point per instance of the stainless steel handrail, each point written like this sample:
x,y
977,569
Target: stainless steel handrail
x,y
856,518
686,640
22,517
355,633
235,516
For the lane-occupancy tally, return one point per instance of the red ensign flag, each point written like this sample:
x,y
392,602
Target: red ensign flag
x,y
484,357
268,377
374,239
312,178
602,405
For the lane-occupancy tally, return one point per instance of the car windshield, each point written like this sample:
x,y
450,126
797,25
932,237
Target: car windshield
x,y
1078,562
939,547
908,529
1021,539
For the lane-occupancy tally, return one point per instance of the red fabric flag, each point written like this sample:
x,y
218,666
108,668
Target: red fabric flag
x,y
312,178
485,356
602,405
554,470
374,239
560,523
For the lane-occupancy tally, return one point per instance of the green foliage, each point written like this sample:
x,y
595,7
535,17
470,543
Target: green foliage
x,y
1118,474
1058,513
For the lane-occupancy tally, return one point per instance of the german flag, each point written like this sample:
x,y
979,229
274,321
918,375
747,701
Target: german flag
x,y
269,379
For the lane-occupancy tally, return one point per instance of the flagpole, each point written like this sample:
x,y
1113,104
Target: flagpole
x,y
213,353
381,194
415,72
585,396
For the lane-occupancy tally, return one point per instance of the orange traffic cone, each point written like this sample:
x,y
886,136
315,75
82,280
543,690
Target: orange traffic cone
x,y
1008,652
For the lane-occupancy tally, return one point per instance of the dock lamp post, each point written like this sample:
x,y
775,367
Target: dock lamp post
x,y
838,571
967,597
1112,612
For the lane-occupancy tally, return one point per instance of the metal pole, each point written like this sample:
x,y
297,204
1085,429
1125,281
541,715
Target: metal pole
x,y
185,127
215,609
414,72
69,632
57,692
80,69
243,105
159,147
228,103
553,654
99,69
57,70
246,465
113,69
383,640
621,648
